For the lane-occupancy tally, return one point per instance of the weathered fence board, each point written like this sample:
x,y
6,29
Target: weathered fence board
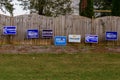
x,y
61,26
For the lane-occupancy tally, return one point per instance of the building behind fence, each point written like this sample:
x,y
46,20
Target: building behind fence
x,y
61,26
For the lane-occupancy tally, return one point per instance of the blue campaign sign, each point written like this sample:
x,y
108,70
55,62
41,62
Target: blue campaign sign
x,y
111,35
91,39
47,33
32,33
60,40
9,30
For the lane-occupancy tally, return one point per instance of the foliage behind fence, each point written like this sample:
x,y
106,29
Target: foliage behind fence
x,y
61,26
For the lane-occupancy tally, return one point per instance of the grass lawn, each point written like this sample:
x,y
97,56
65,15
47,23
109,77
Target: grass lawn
x,y
80,66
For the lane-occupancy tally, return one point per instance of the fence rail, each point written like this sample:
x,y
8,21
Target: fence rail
x,y
61,26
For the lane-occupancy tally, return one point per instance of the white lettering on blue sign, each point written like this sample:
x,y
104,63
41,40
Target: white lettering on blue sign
x,y
60,40
33,33
111,35
9,30
91,39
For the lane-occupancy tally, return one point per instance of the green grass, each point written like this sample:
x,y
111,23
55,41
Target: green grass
x,y
80,66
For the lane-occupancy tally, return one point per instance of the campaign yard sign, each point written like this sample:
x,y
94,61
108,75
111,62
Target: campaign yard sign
x,y
48,33
74,38
32,34
60,40
9,30
91,38
111,35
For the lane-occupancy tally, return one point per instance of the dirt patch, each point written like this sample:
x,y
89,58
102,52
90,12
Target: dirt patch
x,y
25,49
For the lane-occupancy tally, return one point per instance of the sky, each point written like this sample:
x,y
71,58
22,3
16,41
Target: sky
x,y
75,5
19,11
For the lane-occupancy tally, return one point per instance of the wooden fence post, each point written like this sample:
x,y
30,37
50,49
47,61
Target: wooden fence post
x,y
10,37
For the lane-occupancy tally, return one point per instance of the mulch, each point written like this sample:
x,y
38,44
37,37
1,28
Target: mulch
x,y
26,49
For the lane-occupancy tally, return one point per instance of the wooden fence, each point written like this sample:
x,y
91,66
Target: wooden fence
x,y
61,26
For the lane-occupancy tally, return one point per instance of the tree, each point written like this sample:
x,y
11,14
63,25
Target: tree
x,y
5,5
116,8
103,5
48,7
86,8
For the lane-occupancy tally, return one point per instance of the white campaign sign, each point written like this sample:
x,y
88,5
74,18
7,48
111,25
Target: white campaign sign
x,y
74,38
